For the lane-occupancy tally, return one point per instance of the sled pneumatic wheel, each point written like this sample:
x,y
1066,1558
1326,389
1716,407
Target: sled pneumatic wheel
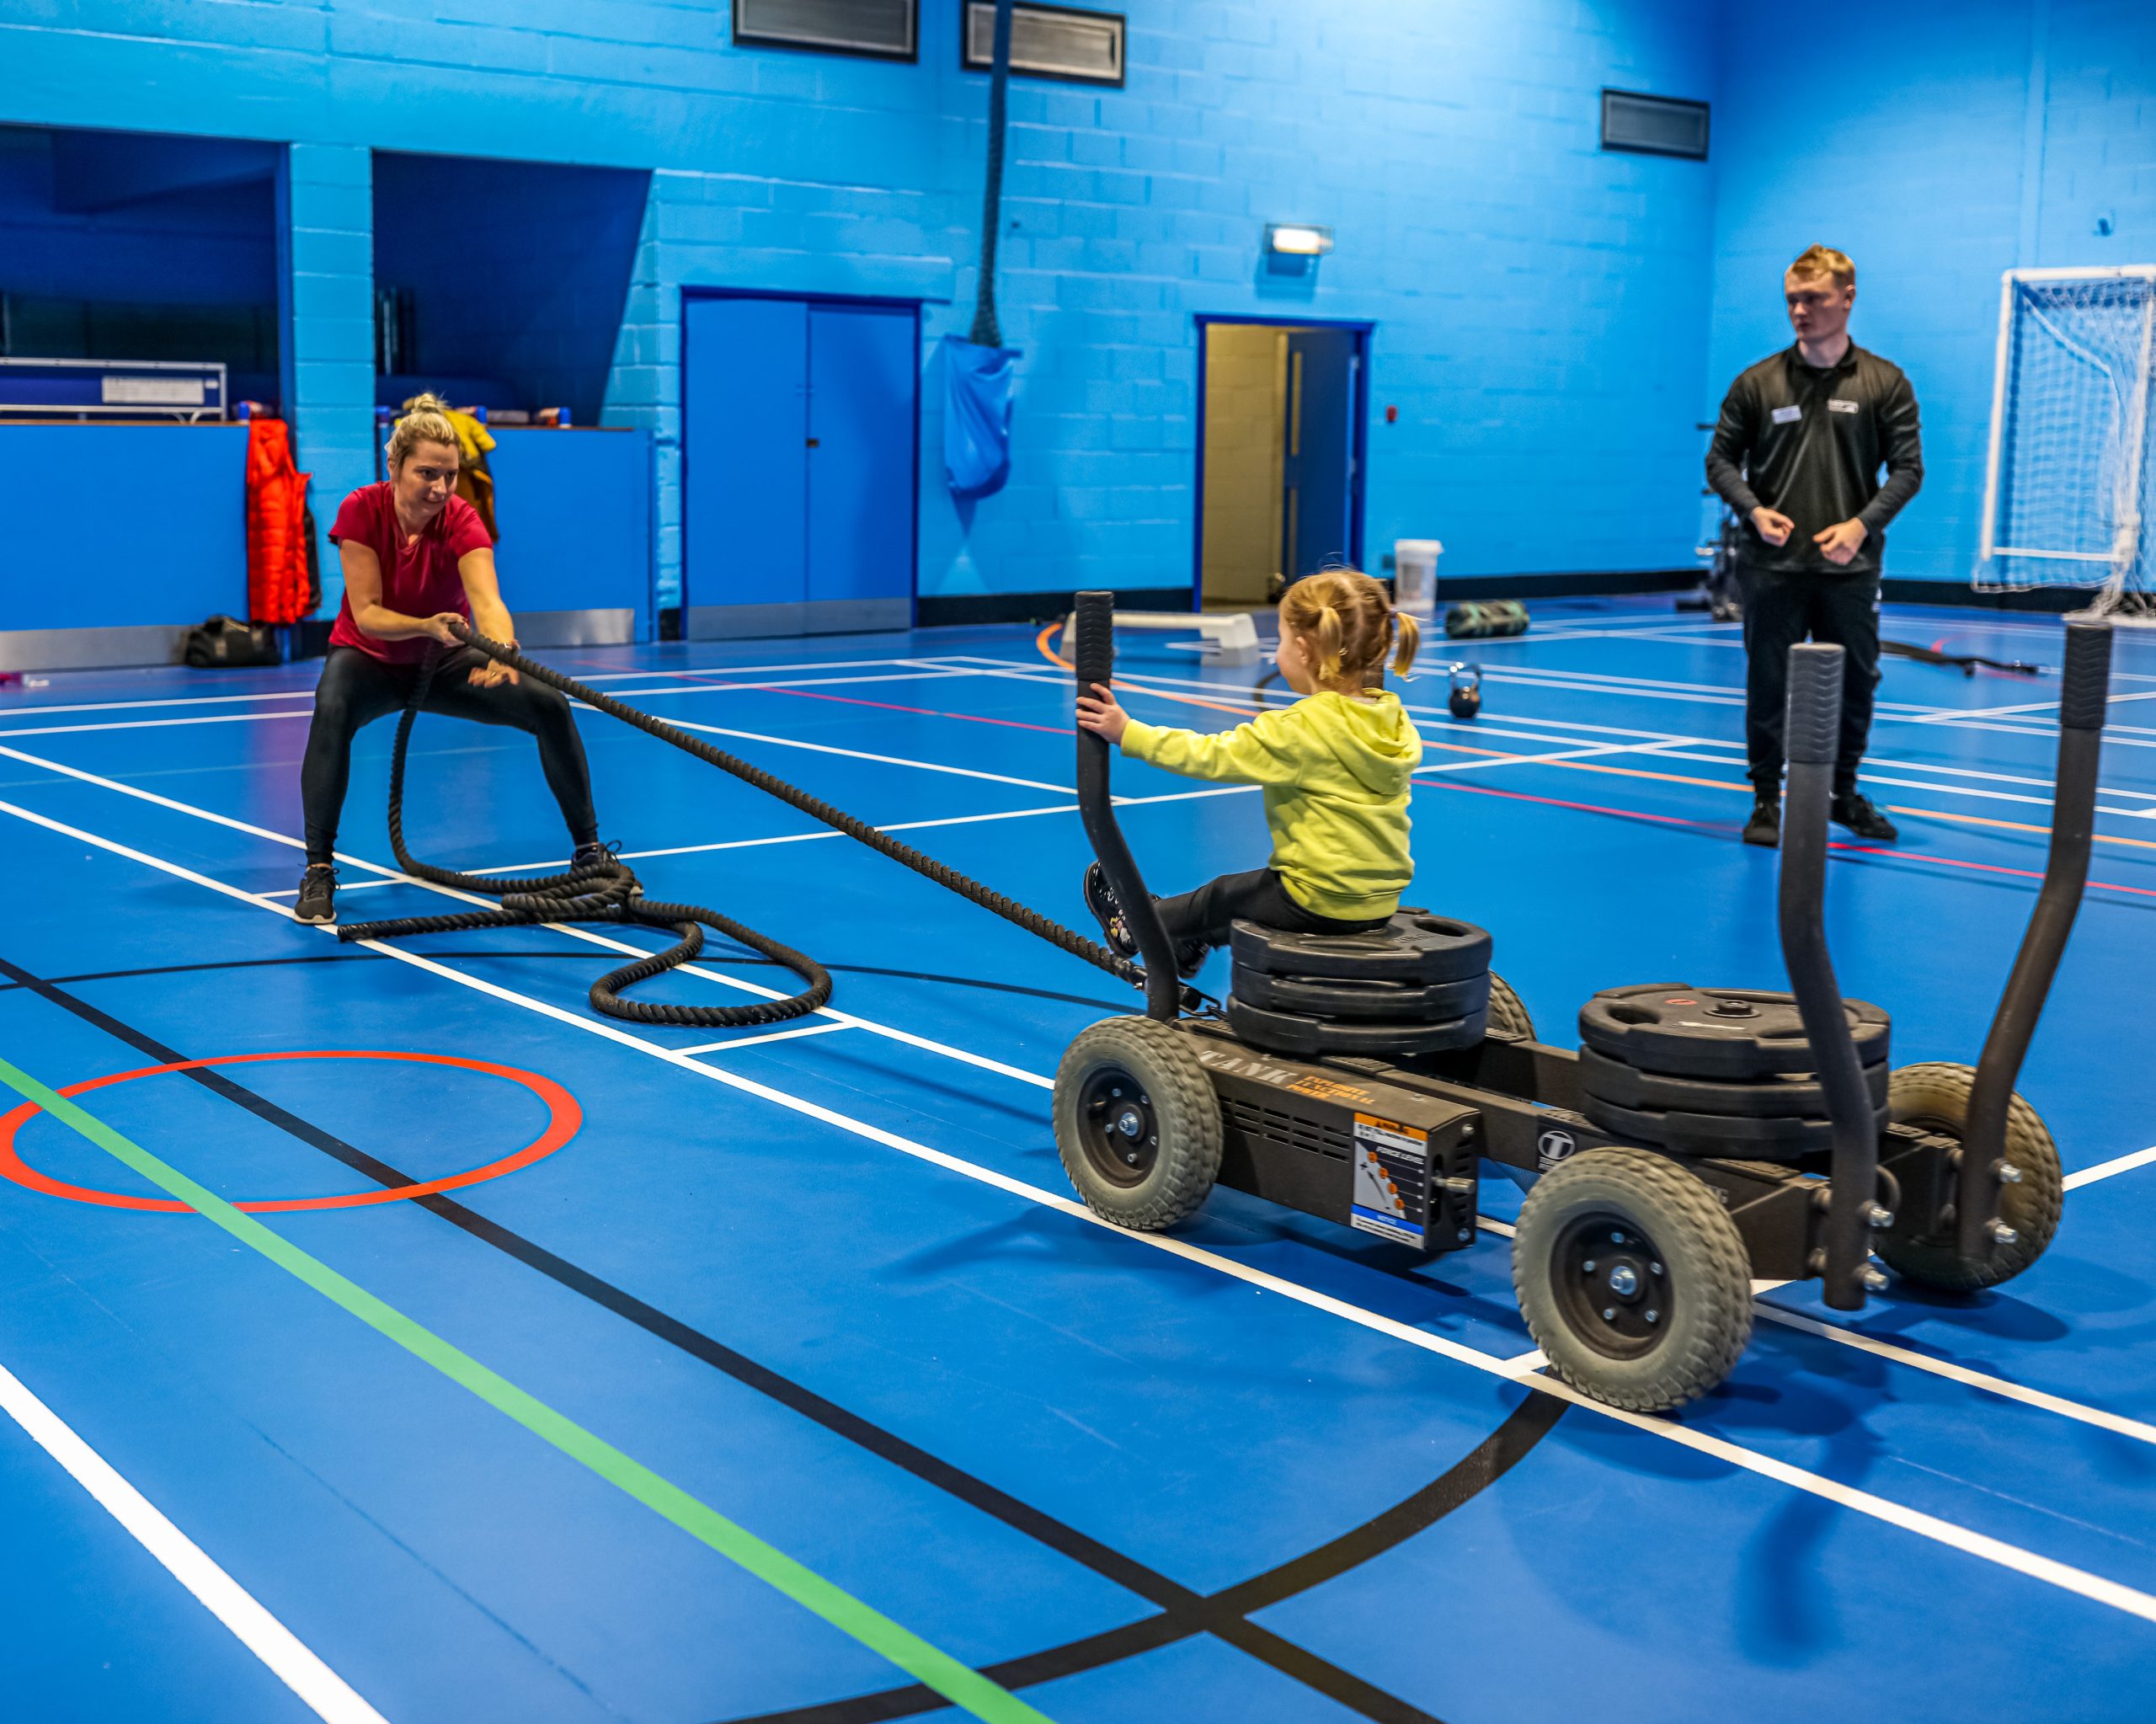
x,y
1632,1277
1935,1098
1137,1123
1507,1015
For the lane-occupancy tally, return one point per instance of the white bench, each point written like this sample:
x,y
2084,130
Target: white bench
x,y
1225,637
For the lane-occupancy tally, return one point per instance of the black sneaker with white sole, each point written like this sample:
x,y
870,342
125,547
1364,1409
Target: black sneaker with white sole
x,y
1854,810
317,894
1100,898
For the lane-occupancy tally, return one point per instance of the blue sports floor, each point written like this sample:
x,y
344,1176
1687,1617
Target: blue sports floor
x,y
769,1375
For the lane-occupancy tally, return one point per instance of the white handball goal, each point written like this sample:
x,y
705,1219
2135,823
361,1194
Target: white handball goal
x,y
2068,482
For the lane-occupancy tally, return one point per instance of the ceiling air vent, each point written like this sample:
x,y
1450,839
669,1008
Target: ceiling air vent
x,y
883,27
1048,41
1654,125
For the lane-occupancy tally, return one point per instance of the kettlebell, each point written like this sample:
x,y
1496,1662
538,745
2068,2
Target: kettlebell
x,y
1466,697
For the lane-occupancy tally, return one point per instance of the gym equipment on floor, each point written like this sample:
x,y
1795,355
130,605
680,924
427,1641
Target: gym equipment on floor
x,y
1700,1139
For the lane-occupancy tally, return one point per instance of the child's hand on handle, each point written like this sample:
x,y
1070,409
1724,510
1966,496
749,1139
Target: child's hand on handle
x,y
1099,713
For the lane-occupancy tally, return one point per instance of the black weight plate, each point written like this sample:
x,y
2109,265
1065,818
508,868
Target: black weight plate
x,y
1716,1134
1783,1097
1309,1038
1397,1002
1414,947
1722,1032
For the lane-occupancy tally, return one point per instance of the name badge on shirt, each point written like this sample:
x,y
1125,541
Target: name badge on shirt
x,y
1788,415
1836,404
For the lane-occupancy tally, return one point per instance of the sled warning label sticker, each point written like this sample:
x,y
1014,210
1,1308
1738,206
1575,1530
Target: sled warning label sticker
x,y
1392,1179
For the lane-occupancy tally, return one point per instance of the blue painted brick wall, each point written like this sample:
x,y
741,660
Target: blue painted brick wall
x,y
1963,140
1538,302
1551,320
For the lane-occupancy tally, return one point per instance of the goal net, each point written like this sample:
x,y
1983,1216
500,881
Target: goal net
x,y
2068,484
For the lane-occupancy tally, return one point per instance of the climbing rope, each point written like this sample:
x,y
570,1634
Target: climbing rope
x,y
607,891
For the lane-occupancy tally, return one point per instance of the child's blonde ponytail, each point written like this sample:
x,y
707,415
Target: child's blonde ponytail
x,y
1349,623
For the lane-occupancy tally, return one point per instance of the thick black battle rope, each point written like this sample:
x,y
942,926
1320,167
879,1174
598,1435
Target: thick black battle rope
x,y
601,891
606,891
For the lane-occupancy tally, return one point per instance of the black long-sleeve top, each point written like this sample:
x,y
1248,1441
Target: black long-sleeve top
x,y
1808,444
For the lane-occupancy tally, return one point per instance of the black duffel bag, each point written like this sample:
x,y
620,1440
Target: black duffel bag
x,y
226,644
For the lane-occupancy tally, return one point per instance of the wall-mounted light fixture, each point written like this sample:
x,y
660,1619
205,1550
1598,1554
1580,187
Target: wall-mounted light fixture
x,y
1298,239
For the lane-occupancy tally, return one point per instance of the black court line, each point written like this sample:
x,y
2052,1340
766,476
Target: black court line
x,y
1225,1614
1185,1612
746,961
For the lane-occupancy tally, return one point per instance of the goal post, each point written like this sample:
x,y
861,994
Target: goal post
x,y
2070,466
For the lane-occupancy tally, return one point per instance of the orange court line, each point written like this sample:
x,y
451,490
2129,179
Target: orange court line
x,y
1633,771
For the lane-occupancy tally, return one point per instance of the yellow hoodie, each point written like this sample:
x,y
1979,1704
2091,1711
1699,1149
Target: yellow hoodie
x,y
1335,772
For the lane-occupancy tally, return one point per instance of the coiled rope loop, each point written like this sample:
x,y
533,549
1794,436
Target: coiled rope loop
x,y
607,891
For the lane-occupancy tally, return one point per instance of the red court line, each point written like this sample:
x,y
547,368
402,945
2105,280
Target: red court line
x,y
564,1118
810,694
1723,827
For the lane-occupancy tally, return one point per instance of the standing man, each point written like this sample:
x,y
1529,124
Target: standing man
x,y
1797,456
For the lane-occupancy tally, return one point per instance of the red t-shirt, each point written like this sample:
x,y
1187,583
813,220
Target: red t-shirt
x,y
419,577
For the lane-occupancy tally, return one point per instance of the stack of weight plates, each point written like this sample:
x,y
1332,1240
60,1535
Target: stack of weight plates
x,y
1715,1071
1420,985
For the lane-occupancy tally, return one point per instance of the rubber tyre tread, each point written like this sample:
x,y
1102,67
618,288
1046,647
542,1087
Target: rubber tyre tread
x,y
1939,1091
1710,1275
1186,1109
1507,1013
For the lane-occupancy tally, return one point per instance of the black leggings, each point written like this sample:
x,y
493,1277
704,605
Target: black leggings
x,y
356,689
1258,897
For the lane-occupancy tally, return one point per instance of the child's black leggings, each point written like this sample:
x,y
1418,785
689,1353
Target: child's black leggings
x,y
356,689
1257,896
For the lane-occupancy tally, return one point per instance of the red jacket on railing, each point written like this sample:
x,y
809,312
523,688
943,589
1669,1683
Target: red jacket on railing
x,y
278,590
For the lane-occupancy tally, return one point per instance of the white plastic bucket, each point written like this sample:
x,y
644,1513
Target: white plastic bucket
x,y
1415,575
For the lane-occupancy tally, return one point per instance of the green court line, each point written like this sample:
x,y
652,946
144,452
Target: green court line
x,y
960,1684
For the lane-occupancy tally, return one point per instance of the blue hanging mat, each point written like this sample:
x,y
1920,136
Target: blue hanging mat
x,y
976,416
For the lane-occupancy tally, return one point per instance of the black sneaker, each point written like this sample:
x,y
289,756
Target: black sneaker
x,y
1100,898
586,855
1854,810
1764,828
317,894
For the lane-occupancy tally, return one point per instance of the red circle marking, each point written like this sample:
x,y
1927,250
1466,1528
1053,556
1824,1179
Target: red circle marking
x,y
564,1118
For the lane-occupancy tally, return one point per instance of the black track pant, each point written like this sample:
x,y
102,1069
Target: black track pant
x,y
1258,896
1781,609
357,689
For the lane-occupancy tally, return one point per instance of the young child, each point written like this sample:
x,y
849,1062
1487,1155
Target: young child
x,y
1334,766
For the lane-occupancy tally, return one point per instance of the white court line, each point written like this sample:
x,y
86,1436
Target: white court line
x,y
774,685
855,754
2094,1587
1984,1380
1886,712
1665,743
2110,1169
153,724
964,1056
288,1658
1060,808
355,886
811,1029
40,709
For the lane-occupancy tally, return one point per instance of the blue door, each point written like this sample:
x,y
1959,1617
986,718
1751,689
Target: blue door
x,y
861,368
1318,468
744,478
797,422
